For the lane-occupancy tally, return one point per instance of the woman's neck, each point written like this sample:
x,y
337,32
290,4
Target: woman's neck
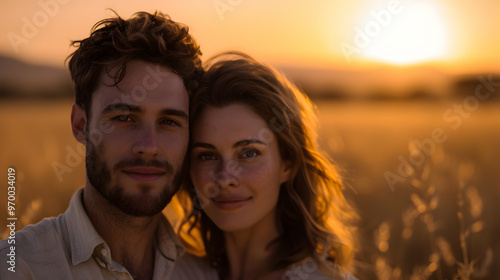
x,y
248,250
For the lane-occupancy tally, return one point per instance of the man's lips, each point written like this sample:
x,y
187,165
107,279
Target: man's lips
x,y
230,202
141,173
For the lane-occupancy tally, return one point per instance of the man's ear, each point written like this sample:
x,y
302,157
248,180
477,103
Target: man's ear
x,y
78,123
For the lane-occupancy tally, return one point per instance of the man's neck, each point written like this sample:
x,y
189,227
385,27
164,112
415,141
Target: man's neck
x,y
130,239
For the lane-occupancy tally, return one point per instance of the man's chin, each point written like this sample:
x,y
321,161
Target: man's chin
x,y
138,200
142,205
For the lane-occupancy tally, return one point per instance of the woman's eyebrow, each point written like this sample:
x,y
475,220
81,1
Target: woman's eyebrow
x,y
236,145
203,145
247,142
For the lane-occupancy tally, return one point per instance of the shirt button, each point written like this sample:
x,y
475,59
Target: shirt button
x,y
101,263
104,252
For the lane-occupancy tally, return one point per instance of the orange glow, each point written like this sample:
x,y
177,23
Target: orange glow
x,y
454,35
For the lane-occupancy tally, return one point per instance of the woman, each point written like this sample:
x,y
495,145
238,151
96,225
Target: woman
x,y
266,203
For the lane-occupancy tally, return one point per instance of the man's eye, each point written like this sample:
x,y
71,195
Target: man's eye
x,y
250,154
170,122
123,118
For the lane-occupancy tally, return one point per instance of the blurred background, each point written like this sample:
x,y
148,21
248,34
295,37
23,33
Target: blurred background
x,y
408,94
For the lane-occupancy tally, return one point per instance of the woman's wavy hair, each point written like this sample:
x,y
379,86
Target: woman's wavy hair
x,y
148,37
312,213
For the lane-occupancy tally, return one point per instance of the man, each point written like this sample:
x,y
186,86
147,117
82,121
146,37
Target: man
x,y
132,82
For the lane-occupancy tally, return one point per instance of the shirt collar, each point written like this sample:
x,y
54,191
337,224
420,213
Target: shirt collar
x,y
82,234
84,238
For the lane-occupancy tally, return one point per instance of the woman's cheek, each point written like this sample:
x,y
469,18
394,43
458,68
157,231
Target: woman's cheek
x,y
196,176
202,181
257,171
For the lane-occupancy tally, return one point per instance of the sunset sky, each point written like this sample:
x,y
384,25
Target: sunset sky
x,y
454,35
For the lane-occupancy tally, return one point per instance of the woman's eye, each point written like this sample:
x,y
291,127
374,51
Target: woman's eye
x,y
206,157
249,154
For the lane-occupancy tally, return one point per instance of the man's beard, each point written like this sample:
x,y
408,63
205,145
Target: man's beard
x,y
144,204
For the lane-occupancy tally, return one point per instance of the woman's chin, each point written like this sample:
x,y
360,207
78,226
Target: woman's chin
x,y
231,225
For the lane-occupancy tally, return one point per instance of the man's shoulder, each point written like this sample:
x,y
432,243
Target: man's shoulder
x,y
41,230
34,243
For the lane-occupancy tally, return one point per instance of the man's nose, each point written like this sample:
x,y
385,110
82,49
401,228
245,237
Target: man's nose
x,y
146,144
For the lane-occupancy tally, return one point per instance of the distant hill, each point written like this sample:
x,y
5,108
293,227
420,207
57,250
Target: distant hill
x,y
386,82
23,80
484,86
20,79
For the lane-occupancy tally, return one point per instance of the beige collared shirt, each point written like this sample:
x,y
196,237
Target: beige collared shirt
x,y
68,247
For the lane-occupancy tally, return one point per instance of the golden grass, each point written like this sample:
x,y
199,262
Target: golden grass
x,y
438,224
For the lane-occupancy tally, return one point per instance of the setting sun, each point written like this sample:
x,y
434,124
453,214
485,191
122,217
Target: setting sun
x,y
415,32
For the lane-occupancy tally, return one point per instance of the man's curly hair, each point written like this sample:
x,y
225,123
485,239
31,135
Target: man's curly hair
x,y
148,37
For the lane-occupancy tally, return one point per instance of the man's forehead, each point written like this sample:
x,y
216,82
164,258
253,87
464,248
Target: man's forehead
x,y
138,73
143,83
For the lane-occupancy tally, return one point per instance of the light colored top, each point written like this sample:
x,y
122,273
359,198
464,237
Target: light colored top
x,y
68,247
311,269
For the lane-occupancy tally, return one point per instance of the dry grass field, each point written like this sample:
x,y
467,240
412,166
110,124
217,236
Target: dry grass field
x,y
439,222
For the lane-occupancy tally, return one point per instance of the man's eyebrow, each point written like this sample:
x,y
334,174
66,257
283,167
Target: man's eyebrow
x,y
174,112
121,107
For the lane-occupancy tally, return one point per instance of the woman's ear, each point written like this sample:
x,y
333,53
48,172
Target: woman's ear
x,y
286,171
78,123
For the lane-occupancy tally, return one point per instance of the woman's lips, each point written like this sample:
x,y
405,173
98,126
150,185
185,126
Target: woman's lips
x,y
144,174
230,203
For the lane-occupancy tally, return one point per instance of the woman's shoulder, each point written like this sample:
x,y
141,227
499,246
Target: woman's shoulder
x,y
193,267
311,269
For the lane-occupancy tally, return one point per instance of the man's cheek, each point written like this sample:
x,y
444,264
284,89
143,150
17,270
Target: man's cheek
x,y
175,144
